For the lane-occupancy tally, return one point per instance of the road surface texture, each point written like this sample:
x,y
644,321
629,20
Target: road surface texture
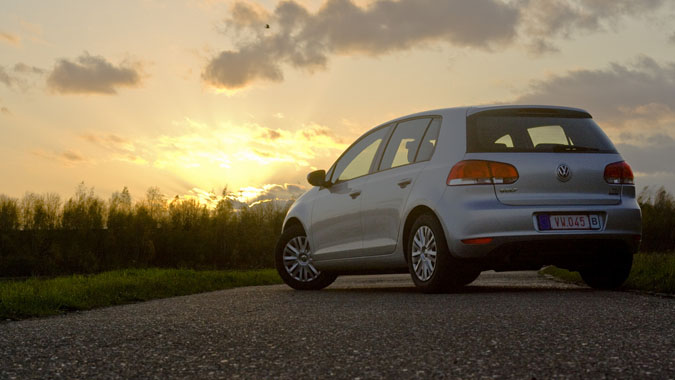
x,y
505,325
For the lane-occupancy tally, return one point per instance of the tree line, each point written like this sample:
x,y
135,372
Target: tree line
x,y
41,235
658,220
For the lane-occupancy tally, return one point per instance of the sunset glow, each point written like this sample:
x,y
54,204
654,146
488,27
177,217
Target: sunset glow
x,y
189,95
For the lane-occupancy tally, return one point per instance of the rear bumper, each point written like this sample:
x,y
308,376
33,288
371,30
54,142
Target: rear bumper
x,y
474,212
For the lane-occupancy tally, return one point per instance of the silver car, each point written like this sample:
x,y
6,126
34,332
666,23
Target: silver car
x,y
446,194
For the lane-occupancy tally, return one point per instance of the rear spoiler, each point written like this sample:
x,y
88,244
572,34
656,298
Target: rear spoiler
x,y
530,112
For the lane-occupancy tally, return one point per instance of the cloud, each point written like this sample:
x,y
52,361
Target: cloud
x,y
298,146
5,110
621,94
5,78
305,40
10,38
109,141
249,196
302,39
68,158
72,156
651,159
229,147
91,75
18,77
544,20
270,134
651,155
273,192
26,69
121,149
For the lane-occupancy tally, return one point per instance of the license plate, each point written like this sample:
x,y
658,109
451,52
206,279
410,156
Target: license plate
x,y
569,222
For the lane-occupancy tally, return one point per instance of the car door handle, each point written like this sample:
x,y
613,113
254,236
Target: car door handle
x,y
355,194
404,183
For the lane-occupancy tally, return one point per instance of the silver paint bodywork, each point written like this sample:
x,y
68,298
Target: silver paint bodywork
x,y
366,232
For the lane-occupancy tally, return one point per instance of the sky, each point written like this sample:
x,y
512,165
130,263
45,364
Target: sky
x,y
194,96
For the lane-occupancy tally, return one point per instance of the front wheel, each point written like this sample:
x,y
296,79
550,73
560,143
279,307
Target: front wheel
x,y
294,262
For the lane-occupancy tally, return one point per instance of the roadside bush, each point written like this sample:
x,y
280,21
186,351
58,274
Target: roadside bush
x,y
9,224
9,213
35,251
39,236
658,220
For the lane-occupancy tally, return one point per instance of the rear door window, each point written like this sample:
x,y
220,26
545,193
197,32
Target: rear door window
x,y
428,145
404,142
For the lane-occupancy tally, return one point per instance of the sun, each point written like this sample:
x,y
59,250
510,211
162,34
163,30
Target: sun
x,y
245,194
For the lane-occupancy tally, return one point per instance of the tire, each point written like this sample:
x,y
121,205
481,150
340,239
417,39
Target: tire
x,y
293,260
432,267
467,276
610,271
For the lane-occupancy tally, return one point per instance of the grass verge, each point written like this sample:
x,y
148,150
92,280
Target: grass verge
x,y
652,272
41,297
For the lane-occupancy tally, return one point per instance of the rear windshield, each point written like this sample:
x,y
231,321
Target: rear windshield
x,y
535,134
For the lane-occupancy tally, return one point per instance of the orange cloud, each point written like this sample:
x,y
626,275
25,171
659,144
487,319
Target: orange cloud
x,y
9,38
68,158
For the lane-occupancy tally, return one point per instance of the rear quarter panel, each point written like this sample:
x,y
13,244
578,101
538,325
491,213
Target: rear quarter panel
x,y
431,184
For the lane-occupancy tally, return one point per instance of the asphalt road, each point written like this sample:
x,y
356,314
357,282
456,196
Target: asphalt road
x,y
505,325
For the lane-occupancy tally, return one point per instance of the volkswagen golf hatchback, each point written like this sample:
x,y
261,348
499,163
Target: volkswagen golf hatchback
x,y
446,194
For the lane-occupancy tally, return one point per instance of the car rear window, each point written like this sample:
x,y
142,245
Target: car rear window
x,y
535,134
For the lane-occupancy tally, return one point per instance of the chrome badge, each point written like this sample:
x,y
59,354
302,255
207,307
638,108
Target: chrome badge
x,y
563,172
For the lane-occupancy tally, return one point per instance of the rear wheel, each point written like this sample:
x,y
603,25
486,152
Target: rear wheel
x,y
432,267
294,262
609,272
467,276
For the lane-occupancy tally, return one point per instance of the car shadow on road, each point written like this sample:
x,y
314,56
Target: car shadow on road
x,y
472,289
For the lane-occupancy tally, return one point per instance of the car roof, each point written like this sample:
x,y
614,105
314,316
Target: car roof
x,y
471,110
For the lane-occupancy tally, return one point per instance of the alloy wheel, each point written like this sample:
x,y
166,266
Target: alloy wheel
x,y
424,253
298,260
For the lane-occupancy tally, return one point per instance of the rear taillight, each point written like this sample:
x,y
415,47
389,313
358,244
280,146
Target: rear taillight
x,y
619,173
480,172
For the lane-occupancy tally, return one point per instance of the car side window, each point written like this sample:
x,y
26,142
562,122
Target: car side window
x,y
403,144
505,141
548,135
357,160
429,141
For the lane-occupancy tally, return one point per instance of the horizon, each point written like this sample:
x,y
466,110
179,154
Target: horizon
x,y
193,96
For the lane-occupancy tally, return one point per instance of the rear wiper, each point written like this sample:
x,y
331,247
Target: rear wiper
x,y
574,148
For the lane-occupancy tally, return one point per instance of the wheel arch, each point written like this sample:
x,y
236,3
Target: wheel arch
x,y
410,220
293,221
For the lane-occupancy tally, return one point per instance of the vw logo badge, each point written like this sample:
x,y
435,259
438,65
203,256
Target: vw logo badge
x,y
563,172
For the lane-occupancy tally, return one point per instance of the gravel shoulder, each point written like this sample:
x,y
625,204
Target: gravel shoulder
x,y
505,325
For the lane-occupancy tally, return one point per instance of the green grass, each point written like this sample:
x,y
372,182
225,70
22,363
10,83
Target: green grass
x,y
652,272
41,297
562,274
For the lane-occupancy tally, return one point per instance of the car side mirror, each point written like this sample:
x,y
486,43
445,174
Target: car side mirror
x,y
318,178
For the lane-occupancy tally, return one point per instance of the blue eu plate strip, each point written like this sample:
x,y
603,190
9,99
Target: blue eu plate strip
x,y
544,222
